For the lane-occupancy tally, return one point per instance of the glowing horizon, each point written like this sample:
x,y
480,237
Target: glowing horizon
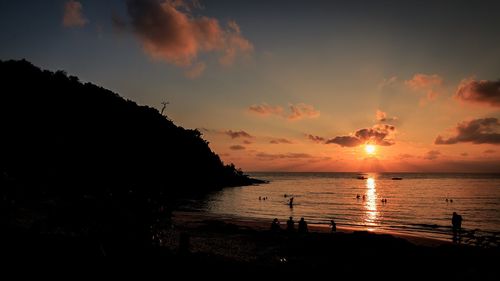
x,y
303,88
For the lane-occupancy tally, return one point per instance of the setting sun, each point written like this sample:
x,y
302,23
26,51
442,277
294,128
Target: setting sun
x,y
370,149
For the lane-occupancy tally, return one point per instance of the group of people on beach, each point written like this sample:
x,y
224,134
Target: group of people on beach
x,y
290,226
302,226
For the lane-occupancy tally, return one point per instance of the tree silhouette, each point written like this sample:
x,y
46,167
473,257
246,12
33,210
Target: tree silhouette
x,y
89,158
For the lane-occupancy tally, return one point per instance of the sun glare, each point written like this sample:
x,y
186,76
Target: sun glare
x,y
370,149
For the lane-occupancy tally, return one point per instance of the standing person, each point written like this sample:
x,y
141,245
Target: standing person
x,y
303,226
456,223
290,225
291,202
275,225
334,226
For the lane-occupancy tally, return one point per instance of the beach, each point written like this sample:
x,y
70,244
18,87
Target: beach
x,y
248,245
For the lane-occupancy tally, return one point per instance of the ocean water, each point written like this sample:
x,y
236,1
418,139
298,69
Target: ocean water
x,y
416,204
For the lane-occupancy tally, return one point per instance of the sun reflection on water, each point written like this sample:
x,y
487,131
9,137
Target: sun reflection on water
x,y
371,212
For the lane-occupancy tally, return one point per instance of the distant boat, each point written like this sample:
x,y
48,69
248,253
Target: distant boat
x,y
397,178
361,178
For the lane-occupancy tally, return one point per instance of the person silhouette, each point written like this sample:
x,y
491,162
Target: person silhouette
x,y
456,222
302,226
290,225
333,225
275,225
290,203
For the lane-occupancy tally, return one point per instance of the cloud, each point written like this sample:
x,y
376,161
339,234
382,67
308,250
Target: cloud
x,y
270,156
296,111
195,71
238,134
302,110
170,31
266,109
380,134
483,92
404,156
316,139
247,142
464,154
425,83
432,155
387,82
73,15
345,141
237,147
477,131
489,151
278,141
381,116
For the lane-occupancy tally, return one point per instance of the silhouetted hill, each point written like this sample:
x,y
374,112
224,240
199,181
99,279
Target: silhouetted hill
x,y
78,152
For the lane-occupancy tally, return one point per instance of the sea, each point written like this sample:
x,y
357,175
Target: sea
x,y
421,204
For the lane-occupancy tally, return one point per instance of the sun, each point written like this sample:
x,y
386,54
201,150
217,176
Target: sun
x,y
370,149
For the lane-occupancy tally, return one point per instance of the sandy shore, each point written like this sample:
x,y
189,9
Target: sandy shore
x,y
247,245
191,220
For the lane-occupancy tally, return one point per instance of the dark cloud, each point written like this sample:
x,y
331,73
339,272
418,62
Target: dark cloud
x,y
278,141
432,155
170,30
316,139
477,131
379,134
489,151
483,91
346,141
464,154
238,134
247,142
237,147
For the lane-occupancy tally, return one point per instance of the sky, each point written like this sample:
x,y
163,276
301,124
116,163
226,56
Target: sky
x,y
290,85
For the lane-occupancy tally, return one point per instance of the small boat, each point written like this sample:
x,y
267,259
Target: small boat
x,y
361,178
396,178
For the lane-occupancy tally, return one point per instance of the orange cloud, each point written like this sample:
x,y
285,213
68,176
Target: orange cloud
x,y
282,141
266,109
269,156
302,110
296,111
483,92
477,131
425,83
170,31
381,116
73,15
